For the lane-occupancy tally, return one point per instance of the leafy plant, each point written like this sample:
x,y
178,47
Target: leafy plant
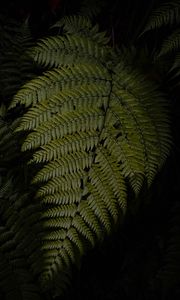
x,y
86,130
93,129
16,66
166,14
166,20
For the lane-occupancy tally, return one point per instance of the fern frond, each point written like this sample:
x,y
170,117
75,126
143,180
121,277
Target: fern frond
x,y
171,44
166,15
92,130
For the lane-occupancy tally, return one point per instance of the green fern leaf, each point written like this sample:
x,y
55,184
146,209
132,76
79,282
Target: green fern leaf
x,y
92,129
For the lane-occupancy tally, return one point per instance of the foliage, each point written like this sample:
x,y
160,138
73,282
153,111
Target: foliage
x,y
16,280
165,15
86,132
166,19
16,67
91,8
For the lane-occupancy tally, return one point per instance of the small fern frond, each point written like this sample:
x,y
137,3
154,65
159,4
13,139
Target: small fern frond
x,y
171,44
166,15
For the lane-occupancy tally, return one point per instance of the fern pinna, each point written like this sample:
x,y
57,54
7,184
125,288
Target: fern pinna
x,y
94,128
